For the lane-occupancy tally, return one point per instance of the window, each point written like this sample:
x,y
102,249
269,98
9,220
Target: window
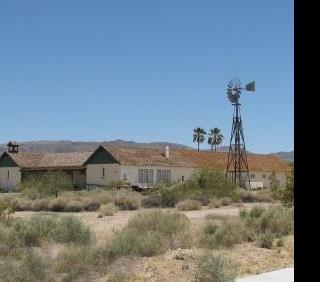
x,y
252,175
125,177
264,176
163,175
182,178
8,174
145,175
103,171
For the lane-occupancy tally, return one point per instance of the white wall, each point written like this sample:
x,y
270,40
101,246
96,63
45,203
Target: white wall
x,y
176,173
258,177
14,177
94,173
117,172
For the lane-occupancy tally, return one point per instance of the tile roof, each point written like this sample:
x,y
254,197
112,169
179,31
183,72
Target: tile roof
x,y
50,160
191,158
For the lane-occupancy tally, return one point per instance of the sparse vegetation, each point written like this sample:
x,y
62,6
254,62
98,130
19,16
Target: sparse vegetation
x,y
265,240
223,233
215,268
151,233
78,201
108,209
215,203
46,184
188,205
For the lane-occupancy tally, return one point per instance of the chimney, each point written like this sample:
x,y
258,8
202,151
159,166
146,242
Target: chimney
x,y
13,147
167,152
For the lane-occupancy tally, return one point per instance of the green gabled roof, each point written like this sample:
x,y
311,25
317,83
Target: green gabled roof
x,y
101,156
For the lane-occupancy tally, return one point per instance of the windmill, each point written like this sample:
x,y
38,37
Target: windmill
x,y
237,166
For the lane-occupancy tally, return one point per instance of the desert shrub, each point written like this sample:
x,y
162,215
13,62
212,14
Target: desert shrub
x,y
255,196
168,197
46,184
75,262
243,213
91,204
57,205
265,240
226,234
256,212
24,204
39,204
151,201
285,195
226,201
64,229
6,211
214,203
188,205
127,200
215,268
73,206
29,268
277,220
108,209
70,230
151,233
280,242
214,183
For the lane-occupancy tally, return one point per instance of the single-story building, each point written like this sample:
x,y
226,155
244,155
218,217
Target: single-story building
x,y
147,166
142,167
17,166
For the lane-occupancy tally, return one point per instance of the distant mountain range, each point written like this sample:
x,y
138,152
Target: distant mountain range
x,y
82,146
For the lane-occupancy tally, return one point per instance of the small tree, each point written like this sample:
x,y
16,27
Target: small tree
x,y
199,136
274,185
46,184
215,138
283,194
287,194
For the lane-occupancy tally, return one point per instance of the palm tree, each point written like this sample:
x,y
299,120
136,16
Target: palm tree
x,y
199,135
215,138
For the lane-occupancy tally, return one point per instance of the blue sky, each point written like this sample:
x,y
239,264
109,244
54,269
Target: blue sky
x,y
145,70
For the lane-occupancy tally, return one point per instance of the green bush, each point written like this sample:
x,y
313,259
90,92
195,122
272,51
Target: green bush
x,y
188,205
46,184
214,268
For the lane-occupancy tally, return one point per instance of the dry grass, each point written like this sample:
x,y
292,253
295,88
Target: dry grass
x,y
79,201
188,205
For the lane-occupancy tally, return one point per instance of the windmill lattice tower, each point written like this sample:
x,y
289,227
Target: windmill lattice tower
x,y
237,166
